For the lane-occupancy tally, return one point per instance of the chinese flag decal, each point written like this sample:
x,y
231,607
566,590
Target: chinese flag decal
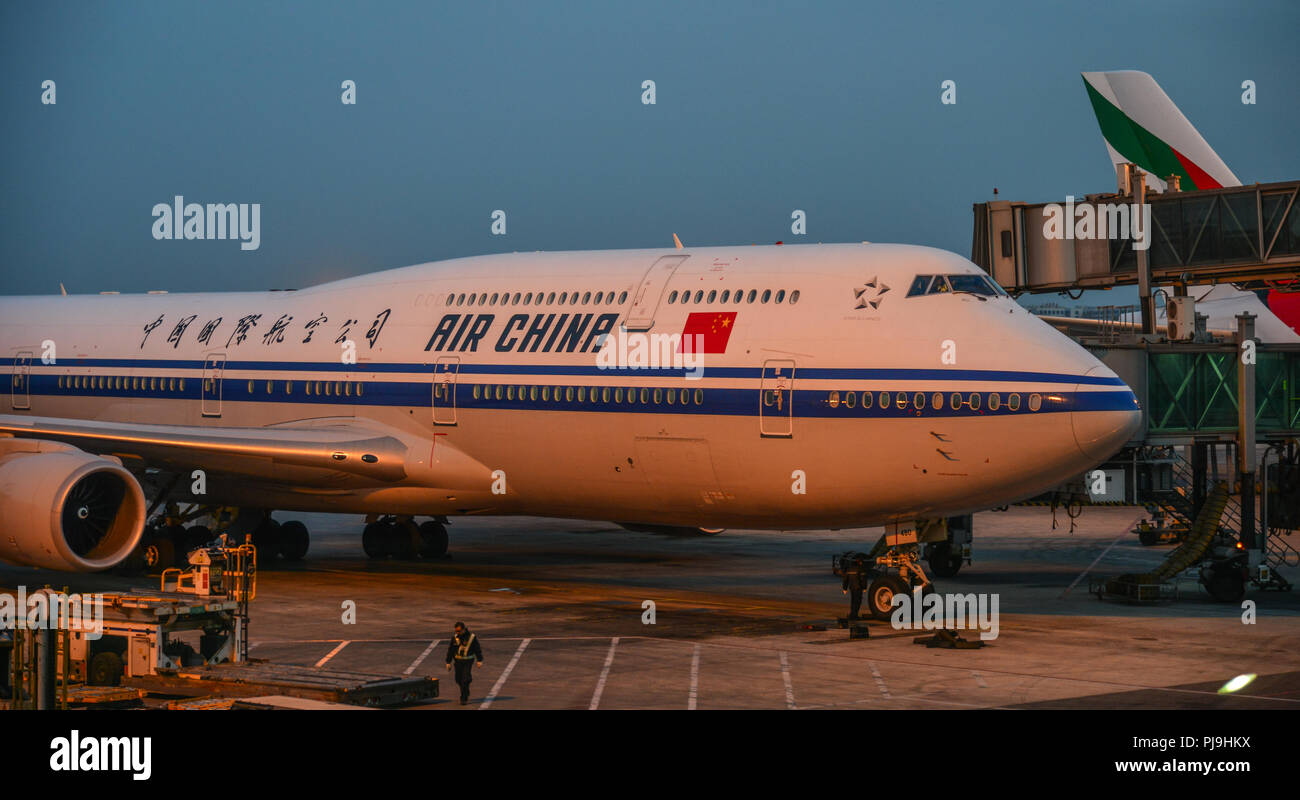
x,y
714,326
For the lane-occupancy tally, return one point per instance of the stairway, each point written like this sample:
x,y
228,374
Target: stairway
x,y
1202,533
1176,504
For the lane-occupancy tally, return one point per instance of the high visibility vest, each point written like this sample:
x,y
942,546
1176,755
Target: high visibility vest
x,y
462,652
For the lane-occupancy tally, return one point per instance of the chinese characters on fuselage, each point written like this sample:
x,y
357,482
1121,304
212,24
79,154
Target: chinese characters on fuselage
x,y
273,335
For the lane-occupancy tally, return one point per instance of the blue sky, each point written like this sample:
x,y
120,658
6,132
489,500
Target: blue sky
x,y
535,108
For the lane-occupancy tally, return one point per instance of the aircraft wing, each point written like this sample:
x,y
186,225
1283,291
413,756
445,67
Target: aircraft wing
x,y
337,452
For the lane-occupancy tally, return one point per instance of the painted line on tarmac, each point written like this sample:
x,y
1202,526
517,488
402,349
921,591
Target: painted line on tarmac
x,y
501,681
695,679
880,680
604,675
789,685
911,697
422,657
333,653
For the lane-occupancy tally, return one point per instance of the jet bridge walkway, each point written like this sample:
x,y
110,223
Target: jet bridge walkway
x,y
1246,235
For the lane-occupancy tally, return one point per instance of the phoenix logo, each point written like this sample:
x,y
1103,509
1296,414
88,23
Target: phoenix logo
x,y
870,293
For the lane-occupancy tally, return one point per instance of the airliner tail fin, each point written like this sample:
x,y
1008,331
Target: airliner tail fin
x,y
1142,125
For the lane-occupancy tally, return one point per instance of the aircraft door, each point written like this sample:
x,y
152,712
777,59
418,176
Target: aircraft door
x,y
445,372
20,396
214,367
776,399
645,300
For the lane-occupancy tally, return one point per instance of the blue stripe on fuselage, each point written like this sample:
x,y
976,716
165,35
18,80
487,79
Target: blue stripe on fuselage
x,y
807,403
801,373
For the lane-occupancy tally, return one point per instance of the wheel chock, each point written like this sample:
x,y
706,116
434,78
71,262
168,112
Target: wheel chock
x,y
948,640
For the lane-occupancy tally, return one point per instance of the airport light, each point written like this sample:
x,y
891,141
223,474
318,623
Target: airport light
x,y
1237,684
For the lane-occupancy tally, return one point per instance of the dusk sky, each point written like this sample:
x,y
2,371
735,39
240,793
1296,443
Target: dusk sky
x,y
535,108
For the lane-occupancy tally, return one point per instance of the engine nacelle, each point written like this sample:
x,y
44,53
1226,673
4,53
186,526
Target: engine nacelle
x,y
62,508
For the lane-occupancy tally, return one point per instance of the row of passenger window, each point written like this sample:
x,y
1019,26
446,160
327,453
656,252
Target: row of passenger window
x,y
607,298
935,400
728,296
136,383
588,394
312,388
118,383
535,299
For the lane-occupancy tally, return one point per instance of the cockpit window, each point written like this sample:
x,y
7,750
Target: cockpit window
x,y
975,284
945,284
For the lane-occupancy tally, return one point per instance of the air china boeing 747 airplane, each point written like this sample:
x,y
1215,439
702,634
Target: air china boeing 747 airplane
x,y
781,387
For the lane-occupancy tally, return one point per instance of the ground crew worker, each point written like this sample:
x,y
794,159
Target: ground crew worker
x,y
464,652
853,587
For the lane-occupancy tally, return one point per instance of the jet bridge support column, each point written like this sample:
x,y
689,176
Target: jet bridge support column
x,y
1246,437
1147,299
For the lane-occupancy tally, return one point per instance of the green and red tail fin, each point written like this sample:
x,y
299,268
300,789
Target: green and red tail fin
x,y
1142,125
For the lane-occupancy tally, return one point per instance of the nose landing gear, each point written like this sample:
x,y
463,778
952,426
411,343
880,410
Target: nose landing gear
x,y
893,566
886,571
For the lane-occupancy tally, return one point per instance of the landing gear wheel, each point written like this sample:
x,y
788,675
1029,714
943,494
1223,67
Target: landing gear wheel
x,y
1148,537
433,540
404,539
196,536
106,669
374,540
175,534
880,595
942,561
294,540
266,538
1226,584
158,553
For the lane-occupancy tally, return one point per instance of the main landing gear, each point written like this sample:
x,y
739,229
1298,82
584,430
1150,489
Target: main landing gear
x,y
169,538
288,540
402,539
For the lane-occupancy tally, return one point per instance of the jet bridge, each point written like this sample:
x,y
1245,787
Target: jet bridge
x,y
1245,235
1199,389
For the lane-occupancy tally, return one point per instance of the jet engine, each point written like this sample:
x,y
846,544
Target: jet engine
x,y
64,509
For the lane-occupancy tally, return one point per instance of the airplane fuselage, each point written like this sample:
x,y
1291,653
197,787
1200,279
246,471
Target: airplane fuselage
x,y
829,393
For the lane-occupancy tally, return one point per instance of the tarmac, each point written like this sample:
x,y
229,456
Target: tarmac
x,y
746,620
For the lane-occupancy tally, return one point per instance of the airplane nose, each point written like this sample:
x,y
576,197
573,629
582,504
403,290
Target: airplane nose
x,y
1106,414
